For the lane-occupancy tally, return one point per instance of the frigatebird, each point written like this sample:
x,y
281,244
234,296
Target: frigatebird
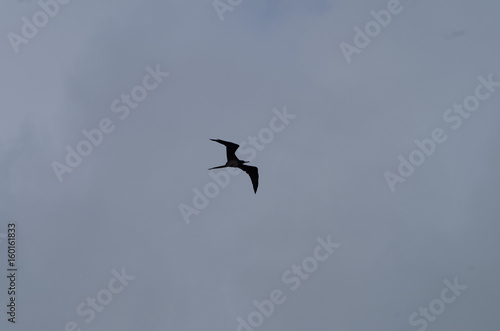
x,y
233,161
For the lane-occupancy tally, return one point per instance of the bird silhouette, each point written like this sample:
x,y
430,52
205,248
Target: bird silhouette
x,y
234,162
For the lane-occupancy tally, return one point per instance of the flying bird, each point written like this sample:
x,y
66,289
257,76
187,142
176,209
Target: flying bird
x,y
233,161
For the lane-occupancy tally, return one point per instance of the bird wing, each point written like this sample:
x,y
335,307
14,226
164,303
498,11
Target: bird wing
x,y
230,148
253,172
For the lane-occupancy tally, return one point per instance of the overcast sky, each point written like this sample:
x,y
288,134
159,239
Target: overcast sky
x,y
327,113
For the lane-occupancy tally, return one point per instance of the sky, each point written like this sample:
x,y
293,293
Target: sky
x,y
374,126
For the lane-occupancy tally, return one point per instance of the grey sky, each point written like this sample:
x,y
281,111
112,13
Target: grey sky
x,y
321,175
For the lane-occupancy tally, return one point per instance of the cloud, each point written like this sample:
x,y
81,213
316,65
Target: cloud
x,y
120,207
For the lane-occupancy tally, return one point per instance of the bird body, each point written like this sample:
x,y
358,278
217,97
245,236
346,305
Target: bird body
x,y
234,162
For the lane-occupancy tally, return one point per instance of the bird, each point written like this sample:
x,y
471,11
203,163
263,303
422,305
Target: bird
x,y
233,161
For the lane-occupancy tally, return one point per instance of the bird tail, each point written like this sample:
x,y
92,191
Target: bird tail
x,y
217,167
